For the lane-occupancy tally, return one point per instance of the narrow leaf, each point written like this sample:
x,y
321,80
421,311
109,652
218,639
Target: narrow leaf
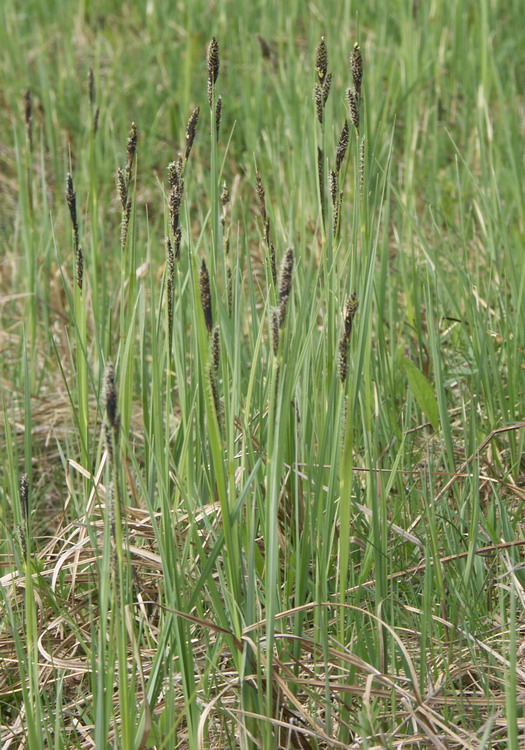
x,y
423,392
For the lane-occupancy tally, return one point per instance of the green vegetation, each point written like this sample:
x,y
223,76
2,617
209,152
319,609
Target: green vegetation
x,y
262,375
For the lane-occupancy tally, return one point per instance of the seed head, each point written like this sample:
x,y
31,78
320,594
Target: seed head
x,y
326,88
285,275
341,146
122,189
173,173
175,200
266,52
283,308
133,137
24,495
180,165
215,395
356,64
191,130
91,86
170,259
353,107
321,60
350,309
318,99
72,205
273,266
110,504
213,67
218,114
267,231
320,170
28,107
260,195
204,284
177,238
274,328
333,187
225,195
71,198
215,348
124,225
336,213
285,284
171,280
111,398
213,60
342,359
80,268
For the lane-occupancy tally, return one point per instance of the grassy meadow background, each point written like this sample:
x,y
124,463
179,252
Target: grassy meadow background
x,y
235,511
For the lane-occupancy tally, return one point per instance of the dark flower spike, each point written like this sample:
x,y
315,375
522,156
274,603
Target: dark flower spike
x,y
191,131
356,64
321,60
204,285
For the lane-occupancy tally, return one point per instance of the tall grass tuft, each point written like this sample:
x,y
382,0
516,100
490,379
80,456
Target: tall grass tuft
x,y
289,515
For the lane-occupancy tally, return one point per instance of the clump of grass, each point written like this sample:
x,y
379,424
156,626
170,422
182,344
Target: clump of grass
x,y
265,497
